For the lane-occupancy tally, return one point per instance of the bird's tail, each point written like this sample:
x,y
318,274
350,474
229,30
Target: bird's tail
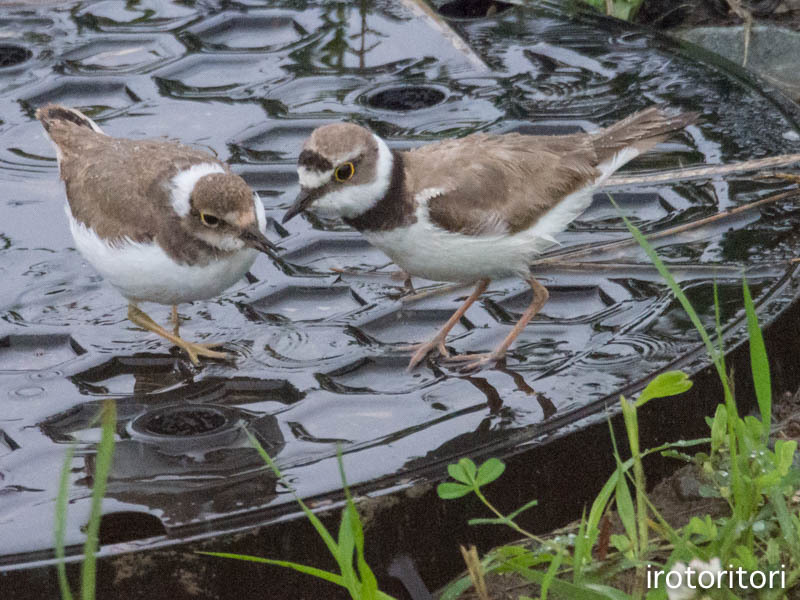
x,y
52,114
641,131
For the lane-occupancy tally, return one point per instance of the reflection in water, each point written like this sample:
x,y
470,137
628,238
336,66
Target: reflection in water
x,y
189,454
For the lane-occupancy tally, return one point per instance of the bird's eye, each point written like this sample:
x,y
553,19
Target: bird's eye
x,y
344,172
209,220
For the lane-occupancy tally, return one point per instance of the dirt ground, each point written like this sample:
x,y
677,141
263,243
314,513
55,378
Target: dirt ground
x,y
666,14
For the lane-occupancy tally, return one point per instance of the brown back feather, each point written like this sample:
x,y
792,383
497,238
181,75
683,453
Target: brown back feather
x,y
117,186
491,183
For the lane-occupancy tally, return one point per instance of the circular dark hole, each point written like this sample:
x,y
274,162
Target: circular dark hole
x,y
472,9
183,421
11,55
127,526
406,98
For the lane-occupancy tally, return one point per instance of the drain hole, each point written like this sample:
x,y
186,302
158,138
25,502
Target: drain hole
x,y
472,9
406,98
128,526
11,55
180,422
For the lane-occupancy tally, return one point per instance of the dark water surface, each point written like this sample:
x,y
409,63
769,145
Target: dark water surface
x,y
317,360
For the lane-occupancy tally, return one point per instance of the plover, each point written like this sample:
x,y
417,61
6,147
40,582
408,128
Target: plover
x,y
160,221
469,209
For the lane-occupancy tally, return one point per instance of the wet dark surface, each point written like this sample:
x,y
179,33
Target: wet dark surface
x,y
317,359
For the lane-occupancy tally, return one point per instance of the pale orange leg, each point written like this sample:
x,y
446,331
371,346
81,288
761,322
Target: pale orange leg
x,y
437,342
540,296
138,317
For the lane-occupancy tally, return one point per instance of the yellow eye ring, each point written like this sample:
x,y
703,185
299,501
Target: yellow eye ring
x,y
344,172
209,220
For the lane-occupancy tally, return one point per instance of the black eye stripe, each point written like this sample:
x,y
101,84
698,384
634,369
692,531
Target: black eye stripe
x,y
313,161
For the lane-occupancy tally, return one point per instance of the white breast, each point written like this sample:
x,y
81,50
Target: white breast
x,y
144,272
426,250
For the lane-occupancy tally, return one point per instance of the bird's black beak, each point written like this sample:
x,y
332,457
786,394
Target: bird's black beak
x,y
253,238
303,201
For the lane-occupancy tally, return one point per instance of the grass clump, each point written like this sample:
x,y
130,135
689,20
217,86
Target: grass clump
x,y
757,479
348,549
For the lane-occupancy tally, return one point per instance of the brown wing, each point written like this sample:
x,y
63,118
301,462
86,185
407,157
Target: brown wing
x,y
493,184
117,183
499,184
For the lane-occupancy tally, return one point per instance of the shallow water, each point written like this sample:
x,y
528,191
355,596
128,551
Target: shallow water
x,y
317,359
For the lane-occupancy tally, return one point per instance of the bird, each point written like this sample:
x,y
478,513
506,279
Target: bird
x,y
468,209
159,220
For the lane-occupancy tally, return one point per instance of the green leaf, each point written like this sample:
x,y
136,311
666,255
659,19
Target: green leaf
x,y
677,455
621,542
746,557
625,508
784,455
345,547
758,363
464,471
666,384
788,532
704,527
719,428
489,471
450,491
455,589
364,585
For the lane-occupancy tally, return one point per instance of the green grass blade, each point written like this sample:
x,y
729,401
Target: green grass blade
x,y
550,574
778,502
625,508
103,459
758,363
582,550
345,548
673,285
320,573
522,509
565,589
368,588
330,543
718,327
61,522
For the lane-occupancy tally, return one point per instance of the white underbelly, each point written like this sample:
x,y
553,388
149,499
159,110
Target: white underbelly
x,y
144,272
439,255
428,251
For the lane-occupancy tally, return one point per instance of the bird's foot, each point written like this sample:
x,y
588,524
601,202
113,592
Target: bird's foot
x,y
422,350
196,350
473,362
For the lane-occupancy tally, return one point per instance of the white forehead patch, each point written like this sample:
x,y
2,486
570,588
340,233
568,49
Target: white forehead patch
x,y
311,179
183,183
